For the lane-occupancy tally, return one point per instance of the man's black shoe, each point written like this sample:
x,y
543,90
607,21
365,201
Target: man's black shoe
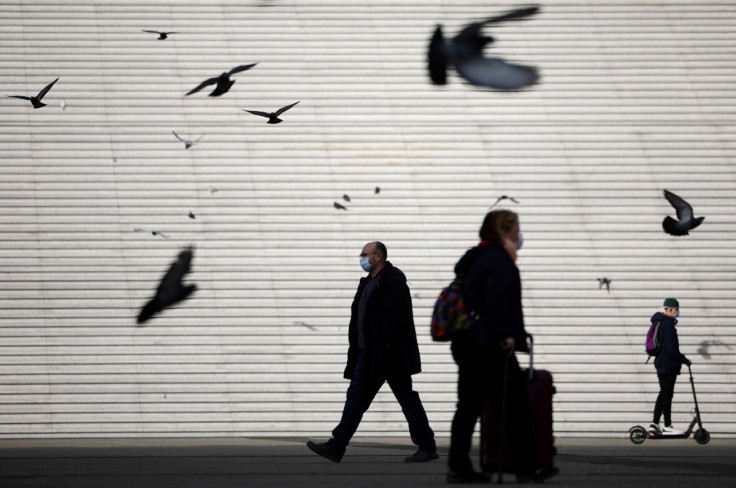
x,y
422,456
325,451
467,478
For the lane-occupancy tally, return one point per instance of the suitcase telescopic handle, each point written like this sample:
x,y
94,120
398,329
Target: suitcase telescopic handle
x,y
531,356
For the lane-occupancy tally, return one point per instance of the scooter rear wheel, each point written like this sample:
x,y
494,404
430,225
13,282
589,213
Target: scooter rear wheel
x,y
702,436
637,434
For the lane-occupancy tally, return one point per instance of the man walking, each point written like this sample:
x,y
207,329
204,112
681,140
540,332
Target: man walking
x,y
383,348
668,364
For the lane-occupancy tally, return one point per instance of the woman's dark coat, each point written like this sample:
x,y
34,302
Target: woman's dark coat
x,y
390,338
492,287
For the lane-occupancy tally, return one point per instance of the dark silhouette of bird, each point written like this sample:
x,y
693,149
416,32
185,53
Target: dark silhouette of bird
x,y
377,190
504,197
339,207
685,220
36,101
152,232
273,117
187,143
465,53
606,282
161,35
223,81
191,215
346,198
170,290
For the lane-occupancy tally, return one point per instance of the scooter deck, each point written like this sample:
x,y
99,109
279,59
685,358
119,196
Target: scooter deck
x,y
684,435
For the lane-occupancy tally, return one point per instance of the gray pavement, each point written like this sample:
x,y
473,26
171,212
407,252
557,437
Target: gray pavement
x,y
369,462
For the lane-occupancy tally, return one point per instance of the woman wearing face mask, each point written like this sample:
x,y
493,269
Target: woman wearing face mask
x,y
492,289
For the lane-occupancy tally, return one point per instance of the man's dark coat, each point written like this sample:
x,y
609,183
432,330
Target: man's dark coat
x,y
390,338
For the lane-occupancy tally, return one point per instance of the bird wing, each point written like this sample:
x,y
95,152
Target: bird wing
x,y
46,89
515,14
257,112
437,59
284,109
496,73
210,81
178,137
22,97
684,210
200,138
242,67
153,31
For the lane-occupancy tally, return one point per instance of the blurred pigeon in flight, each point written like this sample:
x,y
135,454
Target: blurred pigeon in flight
x,y
152,232
604,282
377,190
161,35
187,143
171,290
339,207
223,81
191,215
685,220
36,101
346,198
273,117
465,53
504,197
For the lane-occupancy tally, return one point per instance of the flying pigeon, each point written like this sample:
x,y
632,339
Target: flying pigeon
x,y
152,232
339,207
606,282
223,81
685,221
161,35
273,117
465,53
36,101
187,143
504,197
377,190
346,198
191,215
171,290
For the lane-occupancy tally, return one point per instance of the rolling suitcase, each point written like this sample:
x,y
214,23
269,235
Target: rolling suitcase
x,y
540,389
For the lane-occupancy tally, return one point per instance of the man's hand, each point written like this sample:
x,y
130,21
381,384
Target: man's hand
x,y
509,345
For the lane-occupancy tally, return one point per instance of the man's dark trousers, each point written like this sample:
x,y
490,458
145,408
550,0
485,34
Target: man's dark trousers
x,y
360,394
664,399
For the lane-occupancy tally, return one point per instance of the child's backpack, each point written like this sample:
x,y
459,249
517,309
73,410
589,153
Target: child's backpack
x,y
449,317
653,346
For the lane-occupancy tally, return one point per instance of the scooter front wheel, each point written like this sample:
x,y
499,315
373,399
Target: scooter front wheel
x,y
637,434
702,436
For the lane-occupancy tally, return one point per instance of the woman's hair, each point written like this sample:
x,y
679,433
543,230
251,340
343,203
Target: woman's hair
x,y
496,223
